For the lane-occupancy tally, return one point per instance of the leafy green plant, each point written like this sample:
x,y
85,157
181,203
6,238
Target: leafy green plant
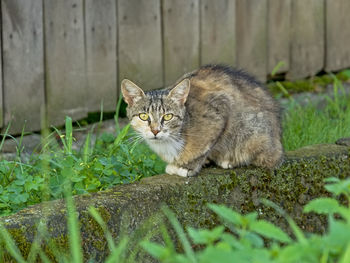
x,y
240,238
246,238
74,253
114,159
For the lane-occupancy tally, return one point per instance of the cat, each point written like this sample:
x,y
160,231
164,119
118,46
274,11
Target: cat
x,y
215,113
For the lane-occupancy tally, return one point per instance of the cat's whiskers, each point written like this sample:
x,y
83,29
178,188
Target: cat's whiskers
x,y
136,138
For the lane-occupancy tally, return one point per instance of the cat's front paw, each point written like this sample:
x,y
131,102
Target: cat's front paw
x,y
173,169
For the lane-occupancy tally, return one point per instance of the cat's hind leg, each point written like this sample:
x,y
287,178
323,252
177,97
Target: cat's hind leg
x,y
260,150
270,156
228,163
223,158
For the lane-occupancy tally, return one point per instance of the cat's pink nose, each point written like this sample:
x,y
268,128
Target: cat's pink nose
x,y
155,132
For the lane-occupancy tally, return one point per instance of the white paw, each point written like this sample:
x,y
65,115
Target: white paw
x,y
226,165
173,169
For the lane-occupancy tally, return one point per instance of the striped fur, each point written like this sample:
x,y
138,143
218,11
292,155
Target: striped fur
x,y
219,113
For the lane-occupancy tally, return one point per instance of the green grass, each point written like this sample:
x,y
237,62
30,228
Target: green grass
x,y
314,84
246,238
239,238
74,253
114,159
315,124
120,159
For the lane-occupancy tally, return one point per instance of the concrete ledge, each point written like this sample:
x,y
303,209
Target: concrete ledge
x,y
125,207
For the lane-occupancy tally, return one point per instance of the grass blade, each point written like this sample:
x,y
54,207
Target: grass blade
x,y
296,230
95,214
69,134
117,252
73,230
346,255
4,136
180,233
277,67
99,124
19,147
43,257
11,245
166,238
116,116
86,149
284,91
35,247
122,135
62,139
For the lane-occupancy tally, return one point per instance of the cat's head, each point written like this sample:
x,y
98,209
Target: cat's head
x,y
156,115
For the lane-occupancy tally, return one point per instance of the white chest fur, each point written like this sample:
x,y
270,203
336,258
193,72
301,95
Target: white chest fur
x,y
168,150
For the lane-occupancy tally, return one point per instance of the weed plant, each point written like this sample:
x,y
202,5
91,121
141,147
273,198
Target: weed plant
x,y
114,159
240,238
246,238
74,253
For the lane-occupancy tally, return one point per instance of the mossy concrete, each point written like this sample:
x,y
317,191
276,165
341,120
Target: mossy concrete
x,y
126,207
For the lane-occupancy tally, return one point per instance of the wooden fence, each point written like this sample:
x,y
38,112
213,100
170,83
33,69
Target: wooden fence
x,y
63,57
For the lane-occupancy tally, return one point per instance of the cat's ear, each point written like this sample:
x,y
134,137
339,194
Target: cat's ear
x,y
131,92
180,92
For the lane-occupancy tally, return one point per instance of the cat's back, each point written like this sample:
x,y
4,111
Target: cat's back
x,y
231,85
213,78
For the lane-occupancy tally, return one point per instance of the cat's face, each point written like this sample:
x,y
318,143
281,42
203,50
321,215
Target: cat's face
x,y
156,115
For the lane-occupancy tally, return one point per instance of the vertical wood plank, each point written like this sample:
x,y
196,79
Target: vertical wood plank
x,y
180,37
307,38
337,34
218,32
1,74
64,60
139,46
252,36
101,58
278,27
23,76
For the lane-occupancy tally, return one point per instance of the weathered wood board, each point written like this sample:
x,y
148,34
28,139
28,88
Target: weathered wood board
x,y
22,54
72,54
307,38
101,58
337,34
139,42
65,60
180,37
251,22
1,79
278,38
218,32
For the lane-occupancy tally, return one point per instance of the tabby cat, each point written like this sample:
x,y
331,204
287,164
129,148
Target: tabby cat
x,y
215,113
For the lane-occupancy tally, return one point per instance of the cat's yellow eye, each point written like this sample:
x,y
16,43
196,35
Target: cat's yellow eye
x,y
143,116
168,117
